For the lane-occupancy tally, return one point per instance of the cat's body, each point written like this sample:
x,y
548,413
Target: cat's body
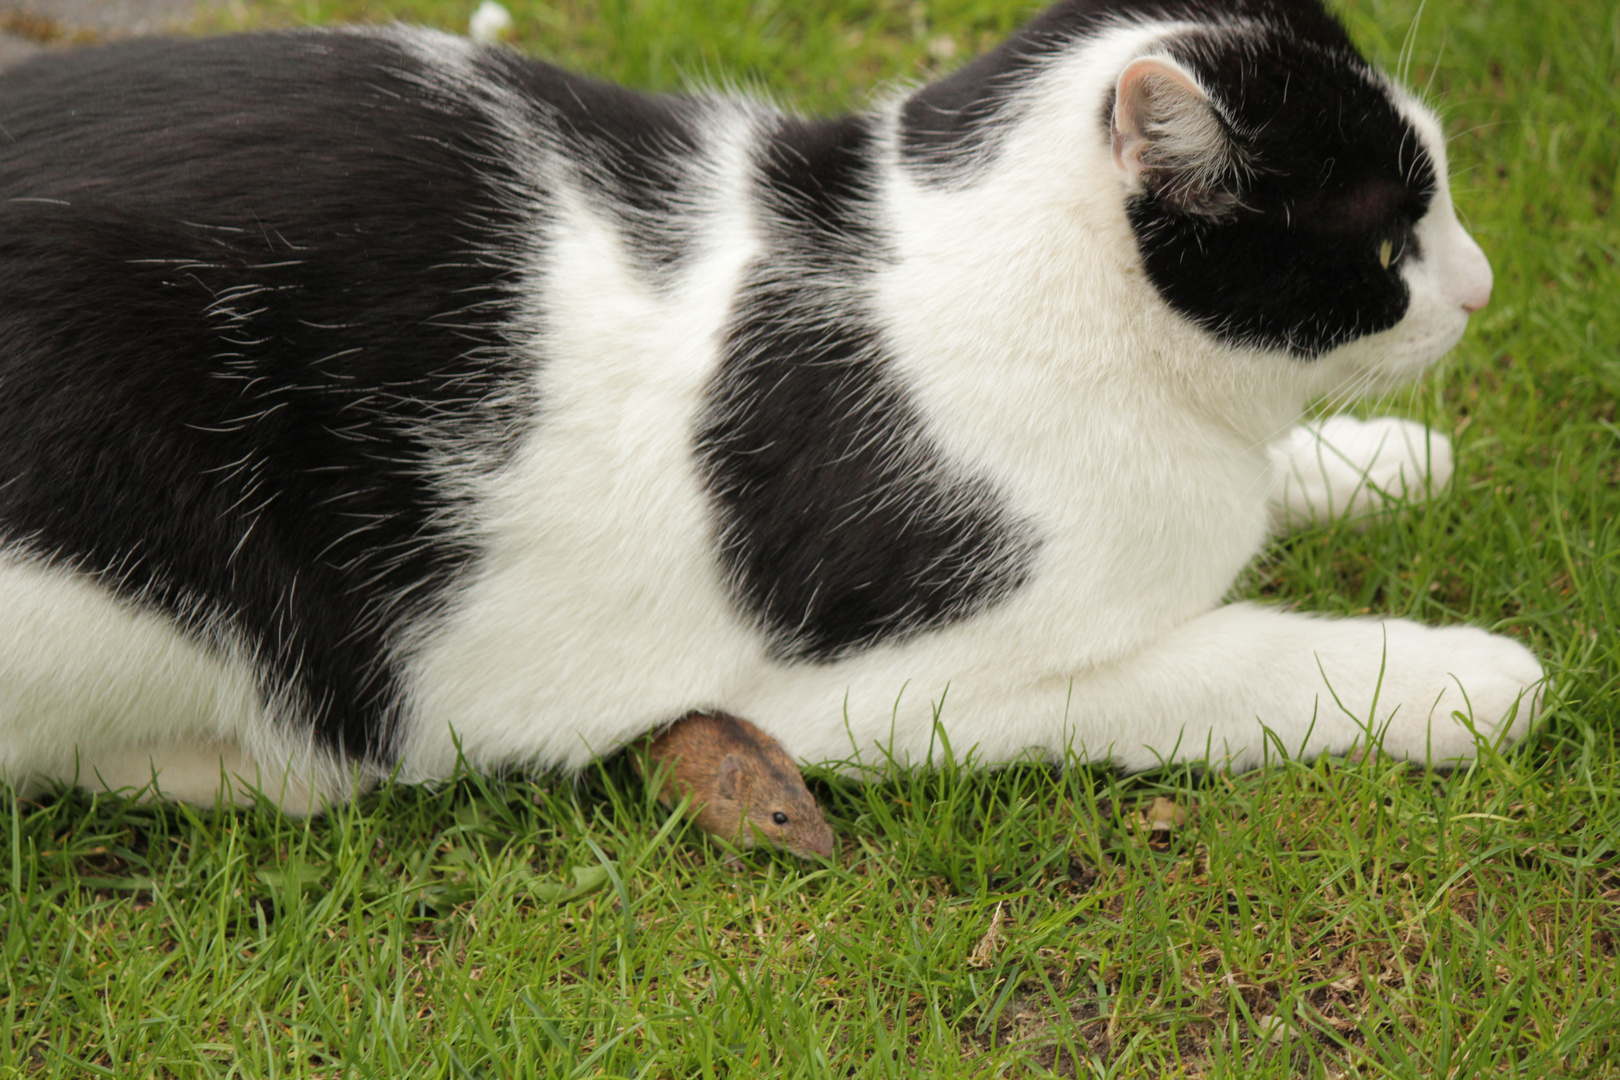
x,y
367,395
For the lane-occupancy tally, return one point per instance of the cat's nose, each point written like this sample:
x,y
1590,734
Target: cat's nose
x,y
1473,276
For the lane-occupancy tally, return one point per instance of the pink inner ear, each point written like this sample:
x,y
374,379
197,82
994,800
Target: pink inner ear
x,y
725,780
1133,95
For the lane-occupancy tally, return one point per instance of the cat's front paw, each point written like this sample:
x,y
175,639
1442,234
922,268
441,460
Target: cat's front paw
x,y
1446,689
1344,467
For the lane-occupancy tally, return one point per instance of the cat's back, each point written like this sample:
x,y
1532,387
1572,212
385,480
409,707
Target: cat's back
x,y
223,122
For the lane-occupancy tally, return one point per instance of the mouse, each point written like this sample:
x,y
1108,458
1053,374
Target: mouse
x,y
744,787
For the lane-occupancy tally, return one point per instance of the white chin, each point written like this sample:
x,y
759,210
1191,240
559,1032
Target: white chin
x,y
1390,359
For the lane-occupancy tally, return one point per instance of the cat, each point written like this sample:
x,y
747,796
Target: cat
x,y
371,399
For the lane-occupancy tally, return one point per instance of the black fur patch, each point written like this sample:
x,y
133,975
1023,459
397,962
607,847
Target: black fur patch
x,y
631,148
818,177
840,527
251,291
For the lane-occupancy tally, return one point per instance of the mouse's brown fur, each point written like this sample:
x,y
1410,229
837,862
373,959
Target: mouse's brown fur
x,y
741,782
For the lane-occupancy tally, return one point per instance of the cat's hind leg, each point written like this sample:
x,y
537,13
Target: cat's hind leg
x,y
98,692
201,773
1342,467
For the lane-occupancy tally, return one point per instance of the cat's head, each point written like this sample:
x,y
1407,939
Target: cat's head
x,y
1283,195
1286,196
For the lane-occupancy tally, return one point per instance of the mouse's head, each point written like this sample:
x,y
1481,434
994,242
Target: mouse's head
x,y
758,800
743,787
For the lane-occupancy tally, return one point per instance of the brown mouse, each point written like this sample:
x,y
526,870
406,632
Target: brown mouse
x,y
743,785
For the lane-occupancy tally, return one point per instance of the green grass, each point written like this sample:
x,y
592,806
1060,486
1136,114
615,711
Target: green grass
x,y
1319,918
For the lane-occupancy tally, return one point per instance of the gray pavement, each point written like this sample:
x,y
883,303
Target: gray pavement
x,y
109,16
14,50
76,19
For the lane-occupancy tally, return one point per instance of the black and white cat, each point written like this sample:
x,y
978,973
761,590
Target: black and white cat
x,y
368,396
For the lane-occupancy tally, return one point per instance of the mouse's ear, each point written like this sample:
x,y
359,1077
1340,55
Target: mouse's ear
x,y
728,779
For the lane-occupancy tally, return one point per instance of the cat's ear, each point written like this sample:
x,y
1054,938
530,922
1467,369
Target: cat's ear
x,y
1170,141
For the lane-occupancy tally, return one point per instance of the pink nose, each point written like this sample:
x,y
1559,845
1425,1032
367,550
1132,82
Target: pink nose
x,y
1473,277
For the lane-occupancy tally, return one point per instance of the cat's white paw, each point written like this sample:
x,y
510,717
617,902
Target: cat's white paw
x,y
1344,467
1443,689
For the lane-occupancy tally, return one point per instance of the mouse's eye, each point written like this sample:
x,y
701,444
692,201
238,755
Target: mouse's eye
x,y
779,817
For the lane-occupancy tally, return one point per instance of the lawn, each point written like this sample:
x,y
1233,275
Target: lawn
x,y
1323,917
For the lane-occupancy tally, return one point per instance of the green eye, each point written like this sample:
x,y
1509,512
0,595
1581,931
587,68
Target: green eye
x,y
1385,250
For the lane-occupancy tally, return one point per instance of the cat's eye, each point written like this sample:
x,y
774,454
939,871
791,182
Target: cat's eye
x,y
780,818
1386,250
